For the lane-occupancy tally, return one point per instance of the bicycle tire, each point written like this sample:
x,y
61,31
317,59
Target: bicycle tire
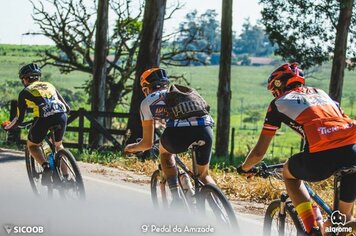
x,y
159,198
272,210
210,192
78,185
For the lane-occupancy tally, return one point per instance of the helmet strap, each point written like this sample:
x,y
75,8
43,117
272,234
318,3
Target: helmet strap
x,y
146,90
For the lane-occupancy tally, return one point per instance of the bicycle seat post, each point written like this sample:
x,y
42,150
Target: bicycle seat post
x,y
193,147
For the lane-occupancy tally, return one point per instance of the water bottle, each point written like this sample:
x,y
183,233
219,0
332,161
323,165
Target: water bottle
x,y
186,185
317,214
46,149
51,161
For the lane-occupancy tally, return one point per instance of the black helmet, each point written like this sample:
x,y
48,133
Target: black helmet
x,y
31,70
154,78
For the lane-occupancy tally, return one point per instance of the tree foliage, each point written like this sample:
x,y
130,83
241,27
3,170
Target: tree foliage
x,y
305,30
197,38
71,26
253,40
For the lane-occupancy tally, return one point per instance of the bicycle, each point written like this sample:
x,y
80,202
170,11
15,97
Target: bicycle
x,y
204,195
282,212
60,161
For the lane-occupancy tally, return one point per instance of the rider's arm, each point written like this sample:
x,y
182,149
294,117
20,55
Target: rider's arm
x,y
271,125
257,153
21,110
63,101
147,129
147,138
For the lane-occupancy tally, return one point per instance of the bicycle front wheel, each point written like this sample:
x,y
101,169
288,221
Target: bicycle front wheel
x,y
212,202
352,225
68,179
276,223
160,192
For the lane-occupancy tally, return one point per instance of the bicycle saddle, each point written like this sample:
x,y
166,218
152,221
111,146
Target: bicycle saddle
x,y
197,144
346,170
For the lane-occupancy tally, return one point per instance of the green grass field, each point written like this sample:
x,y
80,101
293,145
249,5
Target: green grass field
x,y
249,95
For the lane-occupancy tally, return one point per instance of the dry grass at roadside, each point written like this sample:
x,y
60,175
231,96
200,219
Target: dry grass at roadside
x,y
235,186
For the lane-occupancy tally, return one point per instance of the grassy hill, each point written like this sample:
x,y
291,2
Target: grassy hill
x,y
249,95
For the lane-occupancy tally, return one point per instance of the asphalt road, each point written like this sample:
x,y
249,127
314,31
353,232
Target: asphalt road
x,y
118,203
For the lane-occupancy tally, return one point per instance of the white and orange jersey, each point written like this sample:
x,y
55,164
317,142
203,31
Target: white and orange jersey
x,y
153,107
314,115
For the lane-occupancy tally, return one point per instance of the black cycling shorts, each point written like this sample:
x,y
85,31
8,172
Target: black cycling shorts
x,y
41,125
178,139
318,166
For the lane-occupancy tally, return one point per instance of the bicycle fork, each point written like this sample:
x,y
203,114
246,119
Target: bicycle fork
x,y
282,212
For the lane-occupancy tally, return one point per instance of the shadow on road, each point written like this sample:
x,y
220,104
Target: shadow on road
x,y
8,157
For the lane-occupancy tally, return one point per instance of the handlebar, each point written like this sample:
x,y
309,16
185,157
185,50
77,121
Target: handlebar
x,y
266,171
25,125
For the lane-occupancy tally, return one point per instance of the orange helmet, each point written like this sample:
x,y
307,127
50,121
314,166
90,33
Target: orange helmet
x,y
154,78
286,75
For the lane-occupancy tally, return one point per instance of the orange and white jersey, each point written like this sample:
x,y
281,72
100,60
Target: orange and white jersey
x,y
314,115
153,107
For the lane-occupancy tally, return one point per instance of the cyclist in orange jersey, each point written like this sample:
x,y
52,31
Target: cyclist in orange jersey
x,y
329,135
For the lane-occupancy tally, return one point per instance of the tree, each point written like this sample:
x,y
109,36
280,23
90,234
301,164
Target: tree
x,y
98,90
339,60
253,41
71,26
148,56
197,38
224,89
310,31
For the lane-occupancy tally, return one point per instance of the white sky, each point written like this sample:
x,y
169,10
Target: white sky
x,y
15,18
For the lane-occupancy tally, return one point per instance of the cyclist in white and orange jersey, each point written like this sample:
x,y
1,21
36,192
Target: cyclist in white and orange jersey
x,y
178,135
329,134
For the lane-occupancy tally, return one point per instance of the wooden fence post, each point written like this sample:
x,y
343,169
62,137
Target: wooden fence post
x,y
81,130
232,145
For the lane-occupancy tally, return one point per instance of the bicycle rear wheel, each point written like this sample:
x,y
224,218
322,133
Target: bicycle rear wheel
x,y
212,202
160,193
71,187
278,224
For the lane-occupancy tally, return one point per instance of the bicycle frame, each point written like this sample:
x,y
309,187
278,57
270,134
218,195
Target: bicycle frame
x,y
316,198
194,175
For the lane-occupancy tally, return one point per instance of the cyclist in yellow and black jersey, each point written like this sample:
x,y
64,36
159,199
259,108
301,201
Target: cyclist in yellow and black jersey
x,y
43,98
49,109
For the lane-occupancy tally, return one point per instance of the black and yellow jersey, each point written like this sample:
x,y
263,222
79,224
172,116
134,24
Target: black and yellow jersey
x,y
43,98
